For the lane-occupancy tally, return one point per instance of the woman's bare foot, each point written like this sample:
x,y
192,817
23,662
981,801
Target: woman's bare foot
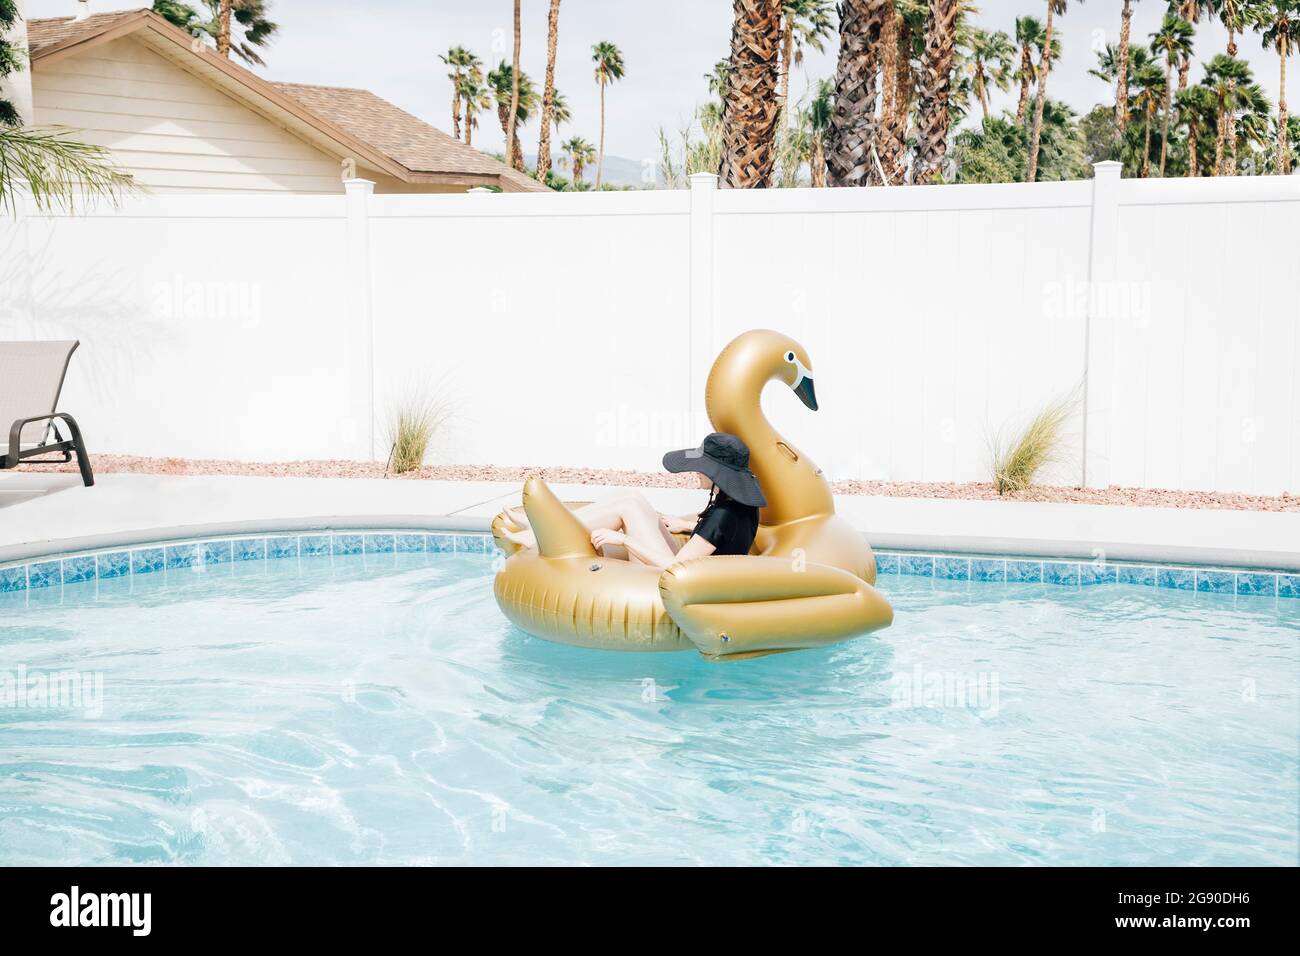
x,y
525,538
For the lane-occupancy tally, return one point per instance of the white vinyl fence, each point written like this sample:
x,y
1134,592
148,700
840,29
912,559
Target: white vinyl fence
x,y
578,328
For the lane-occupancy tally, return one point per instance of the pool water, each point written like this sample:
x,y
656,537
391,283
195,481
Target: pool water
x,y
379,710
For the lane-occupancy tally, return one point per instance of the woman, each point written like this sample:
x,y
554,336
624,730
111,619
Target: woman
x,y
727,525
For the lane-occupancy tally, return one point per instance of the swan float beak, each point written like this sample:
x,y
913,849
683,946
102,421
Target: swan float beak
x,y
804,389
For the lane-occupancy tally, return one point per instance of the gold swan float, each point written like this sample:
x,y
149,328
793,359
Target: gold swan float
x,y
808,580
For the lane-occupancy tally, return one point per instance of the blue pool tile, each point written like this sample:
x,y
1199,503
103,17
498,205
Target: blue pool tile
x,y
988,569
1216,582
14,578
1060,572
953,569
1024,571
1183,579
1142,574
1098,572
1257,583
283,546
349,544
410,543
182,555
44,574
147,560
441,543
918,564
1288,585
79,568
113,564
314,545
472,543
379,544
250,549
218,552
886,563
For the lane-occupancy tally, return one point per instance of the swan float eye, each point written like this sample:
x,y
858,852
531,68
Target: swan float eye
x,y
789,357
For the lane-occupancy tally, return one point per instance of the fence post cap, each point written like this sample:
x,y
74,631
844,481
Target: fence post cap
x,y
704,180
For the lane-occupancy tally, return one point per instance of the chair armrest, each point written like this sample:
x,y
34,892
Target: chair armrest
x,y
15,433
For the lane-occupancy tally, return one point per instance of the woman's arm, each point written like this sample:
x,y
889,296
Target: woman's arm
x,y
697,547
674,524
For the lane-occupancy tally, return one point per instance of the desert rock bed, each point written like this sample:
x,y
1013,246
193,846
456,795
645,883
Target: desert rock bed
x,y
1147,497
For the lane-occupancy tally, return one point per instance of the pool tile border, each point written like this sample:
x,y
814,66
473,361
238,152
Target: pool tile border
x,y
1081,574
203,553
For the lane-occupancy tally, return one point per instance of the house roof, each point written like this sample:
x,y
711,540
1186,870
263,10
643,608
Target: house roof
x,y
346,122
406,138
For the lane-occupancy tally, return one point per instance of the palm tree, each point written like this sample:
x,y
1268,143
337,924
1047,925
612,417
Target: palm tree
x,y
717,79
750,110
933,117
250,15
1223,75
548,92
1174,41
510,87
609,67
560,113
1031,36
1279,22
477,97
1121,69
1193,11
1232,14
461,61
514,155
819,122
578,154
1150,83
804,23
991,59
1194,104
1044,67
851,138
902,38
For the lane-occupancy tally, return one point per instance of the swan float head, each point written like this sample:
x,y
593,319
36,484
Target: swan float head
x,y
793,484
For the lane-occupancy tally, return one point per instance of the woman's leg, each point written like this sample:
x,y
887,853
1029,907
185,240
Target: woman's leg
x,y
642,525
630,513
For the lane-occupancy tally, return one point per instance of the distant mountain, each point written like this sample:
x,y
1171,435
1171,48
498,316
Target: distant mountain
x,y
619,171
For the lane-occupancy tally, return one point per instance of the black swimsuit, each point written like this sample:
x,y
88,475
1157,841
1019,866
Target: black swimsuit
x,y
728,525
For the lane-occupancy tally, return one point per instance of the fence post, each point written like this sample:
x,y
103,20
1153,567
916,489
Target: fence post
x,y
703,188
360,300
1099,326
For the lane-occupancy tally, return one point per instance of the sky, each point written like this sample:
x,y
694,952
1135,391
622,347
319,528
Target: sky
x,y
392,46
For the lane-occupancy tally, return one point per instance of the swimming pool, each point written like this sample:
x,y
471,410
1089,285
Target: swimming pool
x,y
349,708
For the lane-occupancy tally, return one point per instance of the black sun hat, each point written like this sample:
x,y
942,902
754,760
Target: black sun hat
x,y
725,459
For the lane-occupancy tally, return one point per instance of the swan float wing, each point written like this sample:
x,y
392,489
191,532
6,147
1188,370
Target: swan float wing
x,y
742,605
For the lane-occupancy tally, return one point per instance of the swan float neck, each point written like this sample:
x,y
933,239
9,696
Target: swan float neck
x,y
794,486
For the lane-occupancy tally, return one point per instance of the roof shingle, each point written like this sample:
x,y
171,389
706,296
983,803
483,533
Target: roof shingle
x,y
43,34
407,139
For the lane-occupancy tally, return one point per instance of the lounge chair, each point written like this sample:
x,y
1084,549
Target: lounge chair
x,y
31,378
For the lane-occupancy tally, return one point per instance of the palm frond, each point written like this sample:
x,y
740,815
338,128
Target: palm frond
x,y
57,170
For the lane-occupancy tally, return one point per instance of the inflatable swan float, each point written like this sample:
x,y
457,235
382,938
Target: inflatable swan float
x,y
807,582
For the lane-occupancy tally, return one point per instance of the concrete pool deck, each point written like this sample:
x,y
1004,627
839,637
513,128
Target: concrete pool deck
x,y
43,514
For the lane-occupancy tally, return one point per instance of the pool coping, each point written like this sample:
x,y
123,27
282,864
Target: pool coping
x,y
193,548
